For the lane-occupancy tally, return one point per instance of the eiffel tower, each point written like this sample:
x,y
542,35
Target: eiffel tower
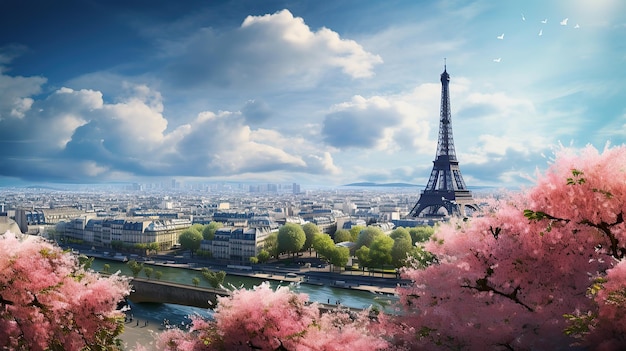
x,y
446,187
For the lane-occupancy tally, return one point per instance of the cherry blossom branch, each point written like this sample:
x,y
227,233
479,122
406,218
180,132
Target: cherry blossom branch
x,y
482,285
616,251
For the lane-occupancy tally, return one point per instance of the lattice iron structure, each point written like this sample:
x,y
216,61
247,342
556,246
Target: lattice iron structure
x,y
446,187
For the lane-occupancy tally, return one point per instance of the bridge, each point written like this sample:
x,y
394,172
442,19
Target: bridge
x,y
157,291
145,290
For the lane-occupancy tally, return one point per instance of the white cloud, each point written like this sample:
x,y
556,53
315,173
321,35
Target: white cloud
x,y
16,92
267,51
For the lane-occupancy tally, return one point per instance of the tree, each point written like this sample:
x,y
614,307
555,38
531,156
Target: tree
x,y
539,269
421,234
208,232
363,254
400,249
291,238
270,244
158,275
263,256
253,260
355,231
148,271
195,281
215,279
135,267
342,235
190,239
49,302
400,232
263,319
106,268
380,251
323,245
367,236
339,256
310,231
153,247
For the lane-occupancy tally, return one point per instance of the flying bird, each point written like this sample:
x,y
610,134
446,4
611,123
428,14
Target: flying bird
x,y
544,21
540,32
501,36
576,26
523,18
497,60
564,22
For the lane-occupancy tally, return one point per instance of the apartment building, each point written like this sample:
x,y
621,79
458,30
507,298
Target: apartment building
x,y
104,232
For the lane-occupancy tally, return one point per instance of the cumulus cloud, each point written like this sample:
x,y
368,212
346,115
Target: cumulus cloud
x,y
16,93
75,136
266,50
386,124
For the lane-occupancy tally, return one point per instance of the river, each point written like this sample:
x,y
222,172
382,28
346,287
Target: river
x,y
177,314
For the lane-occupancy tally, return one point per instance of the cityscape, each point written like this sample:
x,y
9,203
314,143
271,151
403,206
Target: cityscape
x,y
291,175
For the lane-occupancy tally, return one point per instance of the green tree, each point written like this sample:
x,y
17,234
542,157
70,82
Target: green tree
x,y
106,268
195,281
148,272
271,245
263,256
135,267
254,260
342,235
208,232
291,238
355,231
153,247
339,256
400,232
158,275
401,248
380,251
310,230
323,245
421,234
190,239
363,254
215,279
367,236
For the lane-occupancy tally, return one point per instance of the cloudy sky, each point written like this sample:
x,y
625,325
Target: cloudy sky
x,y
314,92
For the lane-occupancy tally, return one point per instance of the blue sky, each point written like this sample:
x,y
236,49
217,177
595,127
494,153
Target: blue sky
x,y
314,92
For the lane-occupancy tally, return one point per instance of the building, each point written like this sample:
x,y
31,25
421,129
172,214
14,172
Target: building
x,y
237,244
110,232
37,217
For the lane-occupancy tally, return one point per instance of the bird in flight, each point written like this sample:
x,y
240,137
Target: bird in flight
x,y
497,60
564,22
544,21
576,26
523,18
501,36
540,32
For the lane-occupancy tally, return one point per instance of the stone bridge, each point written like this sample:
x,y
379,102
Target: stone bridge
x,y
144,290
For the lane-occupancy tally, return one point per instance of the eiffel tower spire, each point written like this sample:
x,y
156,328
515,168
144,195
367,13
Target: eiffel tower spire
x,y
446,187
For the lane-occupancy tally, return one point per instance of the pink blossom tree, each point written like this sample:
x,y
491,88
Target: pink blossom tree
x,y
539,270
264,319
49,302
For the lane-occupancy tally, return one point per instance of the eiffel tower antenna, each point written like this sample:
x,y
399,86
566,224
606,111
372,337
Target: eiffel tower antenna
x,y
446,187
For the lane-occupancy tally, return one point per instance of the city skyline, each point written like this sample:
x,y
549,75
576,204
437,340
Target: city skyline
x,y
302,91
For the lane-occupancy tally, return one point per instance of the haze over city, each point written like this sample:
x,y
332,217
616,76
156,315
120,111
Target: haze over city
x,y
303,91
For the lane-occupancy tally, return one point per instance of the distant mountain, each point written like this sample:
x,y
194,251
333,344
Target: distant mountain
x,y
387,185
